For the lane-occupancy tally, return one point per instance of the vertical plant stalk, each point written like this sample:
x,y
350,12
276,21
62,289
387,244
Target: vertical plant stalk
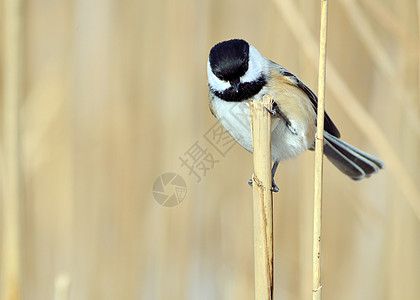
x,y
62,287
11,285
319,151
262,198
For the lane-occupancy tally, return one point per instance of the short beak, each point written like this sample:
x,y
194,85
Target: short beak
x,y
235,85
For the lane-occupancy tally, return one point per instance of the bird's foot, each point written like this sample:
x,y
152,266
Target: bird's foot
x,y
274,187
276,111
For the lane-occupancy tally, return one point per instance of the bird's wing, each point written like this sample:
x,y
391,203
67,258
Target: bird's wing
x,y
329,126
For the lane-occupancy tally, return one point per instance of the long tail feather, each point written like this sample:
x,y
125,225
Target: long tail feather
x,y
348,159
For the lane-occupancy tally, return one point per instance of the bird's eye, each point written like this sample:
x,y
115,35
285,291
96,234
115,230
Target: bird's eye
x,y
220,76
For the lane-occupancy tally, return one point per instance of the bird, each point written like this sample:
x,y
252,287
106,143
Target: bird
x,y
237,73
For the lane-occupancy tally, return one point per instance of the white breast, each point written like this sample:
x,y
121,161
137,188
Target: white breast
x,y
235,118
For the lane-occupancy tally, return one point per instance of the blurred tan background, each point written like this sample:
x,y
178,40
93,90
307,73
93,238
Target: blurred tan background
x,y
114,93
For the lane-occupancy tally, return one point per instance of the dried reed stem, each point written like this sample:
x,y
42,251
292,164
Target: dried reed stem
x,y
11,247
62,287
319,151
418,50
385,16
263,198
355,111
382,60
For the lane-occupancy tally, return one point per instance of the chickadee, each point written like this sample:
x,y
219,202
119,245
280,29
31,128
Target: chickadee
x,y
238,73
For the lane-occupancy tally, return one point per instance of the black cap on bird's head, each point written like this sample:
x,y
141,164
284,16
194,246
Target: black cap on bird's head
x,y
229,60
236,71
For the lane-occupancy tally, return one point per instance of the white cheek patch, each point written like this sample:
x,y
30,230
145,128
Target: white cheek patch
x,y
214,82
257,66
